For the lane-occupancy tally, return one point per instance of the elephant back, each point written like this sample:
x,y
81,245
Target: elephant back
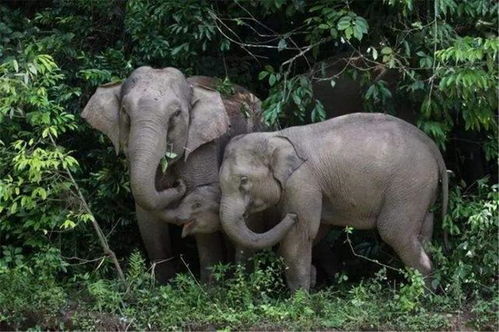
x,y
243,107
243,110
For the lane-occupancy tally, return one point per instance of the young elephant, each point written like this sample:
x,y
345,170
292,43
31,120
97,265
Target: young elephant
x,y
361,170
197,212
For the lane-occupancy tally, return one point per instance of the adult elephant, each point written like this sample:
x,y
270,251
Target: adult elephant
x,y
159,112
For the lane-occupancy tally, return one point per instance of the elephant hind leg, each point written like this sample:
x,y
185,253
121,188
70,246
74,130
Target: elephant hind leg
x,y
427,229
402,228
412,253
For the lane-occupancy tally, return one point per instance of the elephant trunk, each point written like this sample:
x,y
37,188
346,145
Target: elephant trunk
x,y
172,216
146,147
234,224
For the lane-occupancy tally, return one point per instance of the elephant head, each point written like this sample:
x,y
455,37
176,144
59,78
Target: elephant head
x,y
198,211
155,111
253,177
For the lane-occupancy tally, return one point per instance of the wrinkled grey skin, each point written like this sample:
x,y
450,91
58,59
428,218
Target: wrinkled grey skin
x,y
155,111
361,170
198,213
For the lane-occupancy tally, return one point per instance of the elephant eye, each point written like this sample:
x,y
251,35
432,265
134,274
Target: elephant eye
x,y
196,205
244,179
177,113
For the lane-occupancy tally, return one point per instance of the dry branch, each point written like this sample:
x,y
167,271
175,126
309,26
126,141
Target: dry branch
x,y
102,239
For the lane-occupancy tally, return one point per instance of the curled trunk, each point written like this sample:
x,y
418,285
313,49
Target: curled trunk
x,y
233,223
171,216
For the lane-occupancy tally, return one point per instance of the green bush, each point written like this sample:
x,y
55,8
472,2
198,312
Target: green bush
x,y
30,293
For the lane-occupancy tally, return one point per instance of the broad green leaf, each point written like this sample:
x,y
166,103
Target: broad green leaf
x,y
164,164
357,32
362,23
344,23
348,32
272,79
170,155
386,50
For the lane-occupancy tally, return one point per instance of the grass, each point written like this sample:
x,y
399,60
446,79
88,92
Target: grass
x,y
237,300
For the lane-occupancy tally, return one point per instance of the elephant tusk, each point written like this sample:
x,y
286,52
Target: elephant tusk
x,y
186,228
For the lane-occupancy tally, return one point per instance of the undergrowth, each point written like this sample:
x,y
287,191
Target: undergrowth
x,y
40,291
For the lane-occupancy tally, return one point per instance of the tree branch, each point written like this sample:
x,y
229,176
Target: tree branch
x,y
102,239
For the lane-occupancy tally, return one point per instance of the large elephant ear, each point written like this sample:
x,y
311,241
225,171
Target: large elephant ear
x,y
102,112
284,159
208,118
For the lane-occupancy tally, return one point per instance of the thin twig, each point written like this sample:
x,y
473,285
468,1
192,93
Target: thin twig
x,y
102,239
192,274
113,228
381,264
370,259
153,265
305,50
83,260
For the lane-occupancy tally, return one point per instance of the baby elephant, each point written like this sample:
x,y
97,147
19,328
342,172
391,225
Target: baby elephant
x,y
197,212
361,170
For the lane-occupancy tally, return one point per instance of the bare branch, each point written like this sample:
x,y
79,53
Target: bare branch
x,y
102,239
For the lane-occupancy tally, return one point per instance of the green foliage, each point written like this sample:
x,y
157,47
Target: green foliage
x,y
31,184
187,30
468,73
238,299
473,262
29,287
295,93
446,60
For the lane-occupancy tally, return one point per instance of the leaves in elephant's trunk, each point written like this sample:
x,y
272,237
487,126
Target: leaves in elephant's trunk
x,y
164,161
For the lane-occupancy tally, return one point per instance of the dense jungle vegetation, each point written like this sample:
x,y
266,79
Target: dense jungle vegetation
x,y
59,178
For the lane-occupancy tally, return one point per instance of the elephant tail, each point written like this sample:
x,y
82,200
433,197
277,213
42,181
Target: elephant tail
x,y
444,182
445,201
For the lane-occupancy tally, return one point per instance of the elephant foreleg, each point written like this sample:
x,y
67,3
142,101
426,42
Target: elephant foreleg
x,y
156,237
210,252
296,246
297,254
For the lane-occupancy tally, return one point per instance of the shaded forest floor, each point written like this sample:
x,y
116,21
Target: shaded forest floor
x,y
73,319
238,301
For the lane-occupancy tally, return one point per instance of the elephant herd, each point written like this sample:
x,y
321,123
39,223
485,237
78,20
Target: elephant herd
x,y
227,176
